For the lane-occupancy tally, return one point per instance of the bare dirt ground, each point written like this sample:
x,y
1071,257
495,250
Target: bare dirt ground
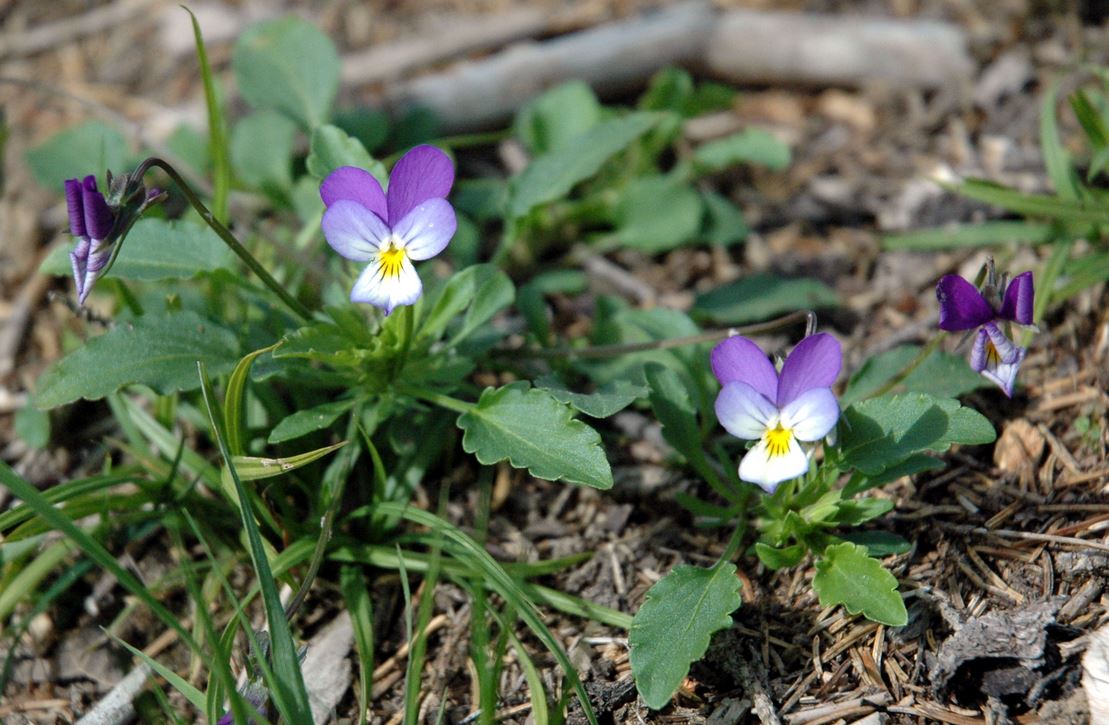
x,y
1009,540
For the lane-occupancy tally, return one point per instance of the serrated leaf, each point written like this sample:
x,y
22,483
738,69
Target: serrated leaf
x,y
309,420
753,145
761,297
916,463
158,351
775,557
552,175
657,214
532,430
881,432
941,374
331,147
847,576
90,148
609,399
289,65
262,150
673,627
156,249
858,511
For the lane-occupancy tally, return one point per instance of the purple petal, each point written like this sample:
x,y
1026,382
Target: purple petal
x,y
76,208
962,306
79,259
423,173
354,184
811,415
739,360
814,363
353,231
978,351
98,217
426,229
1017,305
1006,350
743,411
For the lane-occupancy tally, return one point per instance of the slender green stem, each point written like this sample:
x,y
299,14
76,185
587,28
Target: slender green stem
x,y
407,323
443,401
736,540
603,351
225,234
924,354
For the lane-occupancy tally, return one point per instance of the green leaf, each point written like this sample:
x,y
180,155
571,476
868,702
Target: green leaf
x,y
289,65
309,420
942,374
262,151
673,407
881,432
156,249
859,511
754,146
1036,205
1094,123
878,543
491,296
669,90
356,597
1056,159
609,399
217,127
673,627
91,148
552,175
456,294
914,464
158,351
234,397
656,214
784,557
530,429
553,120
971,235
255,468
724,223
761,297
331,148
847,576
32,426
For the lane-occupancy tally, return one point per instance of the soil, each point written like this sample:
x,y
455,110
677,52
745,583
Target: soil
x,y
1006,575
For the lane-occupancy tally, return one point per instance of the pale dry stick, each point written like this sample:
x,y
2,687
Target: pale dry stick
x,y
753,688
11,335
33,706
1026,535
61,32
1060,450
117,706
436,623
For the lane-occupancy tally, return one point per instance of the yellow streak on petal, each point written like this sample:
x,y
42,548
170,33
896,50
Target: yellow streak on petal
x,y
390,259
777,441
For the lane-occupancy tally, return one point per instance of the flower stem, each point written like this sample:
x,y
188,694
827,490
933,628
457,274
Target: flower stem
x,y
443,401
603,351
737,535
924,354
407,323
225,234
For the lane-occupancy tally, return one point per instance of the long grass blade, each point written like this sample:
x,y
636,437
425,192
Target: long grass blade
x,y
217,129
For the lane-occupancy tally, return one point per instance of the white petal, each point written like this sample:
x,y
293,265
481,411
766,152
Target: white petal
x,y
812,414
744,412
427,229
759,467
387,292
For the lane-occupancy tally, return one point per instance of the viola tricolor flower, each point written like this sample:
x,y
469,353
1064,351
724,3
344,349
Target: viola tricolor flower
x,y
410,222
779,410
963,307
91,221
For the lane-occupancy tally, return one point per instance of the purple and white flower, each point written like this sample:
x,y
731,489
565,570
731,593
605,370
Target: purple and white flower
x,y
410,222
964,307
90,220
778,410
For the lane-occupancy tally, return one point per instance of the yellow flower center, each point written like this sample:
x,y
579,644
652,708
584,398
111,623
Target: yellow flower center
x,y
390,259
777,441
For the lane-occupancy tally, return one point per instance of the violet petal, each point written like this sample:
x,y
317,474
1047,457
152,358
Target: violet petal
x,y
1006,349
353,231
1017,305
427,229
978,351
76,208
814,363
98,216
423,173
739,360
743,411
962,306
354,184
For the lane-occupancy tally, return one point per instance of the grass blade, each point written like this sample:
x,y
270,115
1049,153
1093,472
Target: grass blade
x,y
217,129
289,693
356,594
